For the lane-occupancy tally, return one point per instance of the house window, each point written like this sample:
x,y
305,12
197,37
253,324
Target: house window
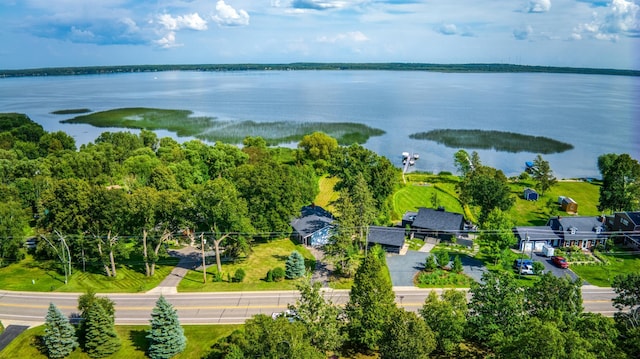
x,y
624,221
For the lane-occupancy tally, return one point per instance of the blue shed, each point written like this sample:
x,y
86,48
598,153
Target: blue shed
x,y
530,194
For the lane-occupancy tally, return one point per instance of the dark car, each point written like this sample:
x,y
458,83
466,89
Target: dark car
x,y
560,261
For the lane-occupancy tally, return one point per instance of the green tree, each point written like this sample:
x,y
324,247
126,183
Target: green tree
x,y
294,267
370,303
324,320
447,317
554,298
59,335
601,334
318,146
166,336
430,263
496,309
100,339
443,259
627,301
543,175
620,190
457,264
497,234
488,189
13,222
406,337
538,339
86,302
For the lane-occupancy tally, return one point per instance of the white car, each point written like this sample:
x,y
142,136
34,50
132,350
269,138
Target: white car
x,y
527,269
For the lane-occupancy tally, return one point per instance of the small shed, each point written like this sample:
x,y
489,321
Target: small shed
x,y
530,194
569,205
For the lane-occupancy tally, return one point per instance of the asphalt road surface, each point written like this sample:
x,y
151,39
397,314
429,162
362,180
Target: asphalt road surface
x,y
220,308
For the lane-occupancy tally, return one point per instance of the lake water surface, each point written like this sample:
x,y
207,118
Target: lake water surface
x,y
595,113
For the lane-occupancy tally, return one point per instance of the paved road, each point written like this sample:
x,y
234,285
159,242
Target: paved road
x,y
219,308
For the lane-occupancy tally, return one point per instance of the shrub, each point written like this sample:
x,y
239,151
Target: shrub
x,y
295,266
443,259
239,275
457,264
430,264
278,274
269,276
217,277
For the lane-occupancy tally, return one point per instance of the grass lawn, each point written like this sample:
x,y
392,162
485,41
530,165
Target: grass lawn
x,y
420,191
265,256
327,196
41,276
602,275
199,340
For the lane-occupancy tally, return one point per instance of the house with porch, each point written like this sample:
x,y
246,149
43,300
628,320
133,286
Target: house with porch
x,y
581,231
313,227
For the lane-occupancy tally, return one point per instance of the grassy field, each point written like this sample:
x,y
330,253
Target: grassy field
x,y
420,191
199,341
327,196
183,123
602,275
265,256
38,276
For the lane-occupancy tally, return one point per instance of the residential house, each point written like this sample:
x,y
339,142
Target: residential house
x,y
627,226
582,231
533,238
435,223
390,238
313,227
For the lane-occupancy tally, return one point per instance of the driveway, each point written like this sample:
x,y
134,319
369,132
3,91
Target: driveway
x,y
550,267
403,268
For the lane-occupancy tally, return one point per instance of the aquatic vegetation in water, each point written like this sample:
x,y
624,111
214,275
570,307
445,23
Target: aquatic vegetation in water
x,y
497,140
182,123
71,111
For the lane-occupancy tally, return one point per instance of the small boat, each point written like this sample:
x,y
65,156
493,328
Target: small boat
x,y
416,156
412,162
405,154
529,164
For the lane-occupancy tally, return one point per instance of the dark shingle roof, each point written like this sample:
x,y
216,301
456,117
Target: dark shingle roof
x,y
584,227
535,233
428,218
389,236
312,219
635,217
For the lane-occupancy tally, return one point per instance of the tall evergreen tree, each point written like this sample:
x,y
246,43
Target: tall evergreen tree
x,y
101,339
294,267
370,303
59,335
166,336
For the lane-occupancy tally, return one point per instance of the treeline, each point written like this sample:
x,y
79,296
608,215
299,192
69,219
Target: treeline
x,y
392,66
125,196
502,319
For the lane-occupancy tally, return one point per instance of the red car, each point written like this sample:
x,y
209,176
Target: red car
x,y
560,262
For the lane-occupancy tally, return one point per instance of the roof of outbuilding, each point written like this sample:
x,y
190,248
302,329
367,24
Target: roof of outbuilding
x,y
429,218
389,236
313,218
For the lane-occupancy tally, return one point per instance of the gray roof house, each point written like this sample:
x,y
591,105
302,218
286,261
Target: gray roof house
x,y
390,238
534,237
430,222
313,227
582,231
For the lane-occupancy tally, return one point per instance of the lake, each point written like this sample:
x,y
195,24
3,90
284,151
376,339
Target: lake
x,y
595,113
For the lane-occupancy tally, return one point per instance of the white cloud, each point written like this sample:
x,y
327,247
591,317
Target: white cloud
x,y
168,41
621,18
321,4
522,33
447,29
353,36
226,15
189,21
539,5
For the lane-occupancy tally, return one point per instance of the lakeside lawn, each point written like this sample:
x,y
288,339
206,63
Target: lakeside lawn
x,y
420,191
134,344
619,263
264,256
327,196
41,276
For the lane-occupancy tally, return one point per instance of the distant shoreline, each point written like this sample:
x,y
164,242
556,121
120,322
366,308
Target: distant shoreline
x,y
306,66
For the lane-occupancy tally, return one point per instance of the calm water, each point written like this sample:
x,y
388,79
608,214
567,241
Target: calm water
x,y
597,114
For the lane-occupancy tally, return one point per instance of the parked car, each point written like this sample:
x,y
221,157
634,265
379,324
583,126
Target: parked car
x,y
527,270
519,263
560,261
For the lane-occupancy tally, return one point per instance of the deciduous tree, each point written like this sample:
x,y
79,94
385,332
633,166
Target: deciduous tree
x,y
497,234
488,189
620,190
406,337
627,301
447,317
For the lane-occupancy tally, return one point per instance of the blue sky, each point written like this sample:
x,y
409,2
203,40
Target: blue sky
x,y
579,33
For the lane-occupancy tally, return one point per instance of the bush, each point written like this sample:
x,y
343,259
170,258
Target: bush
x,y
278,274
457,264
269,276
295,266
239,275
443,259
217,277
430,264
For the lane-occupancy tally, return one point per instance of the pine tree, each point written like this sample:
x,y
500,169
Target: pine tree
x,y
59,335
101,338
166,336
294,266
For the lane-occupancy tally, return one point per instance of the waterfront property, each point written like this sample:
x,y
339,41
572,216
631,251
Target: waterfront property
x,y
392,239
434,223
